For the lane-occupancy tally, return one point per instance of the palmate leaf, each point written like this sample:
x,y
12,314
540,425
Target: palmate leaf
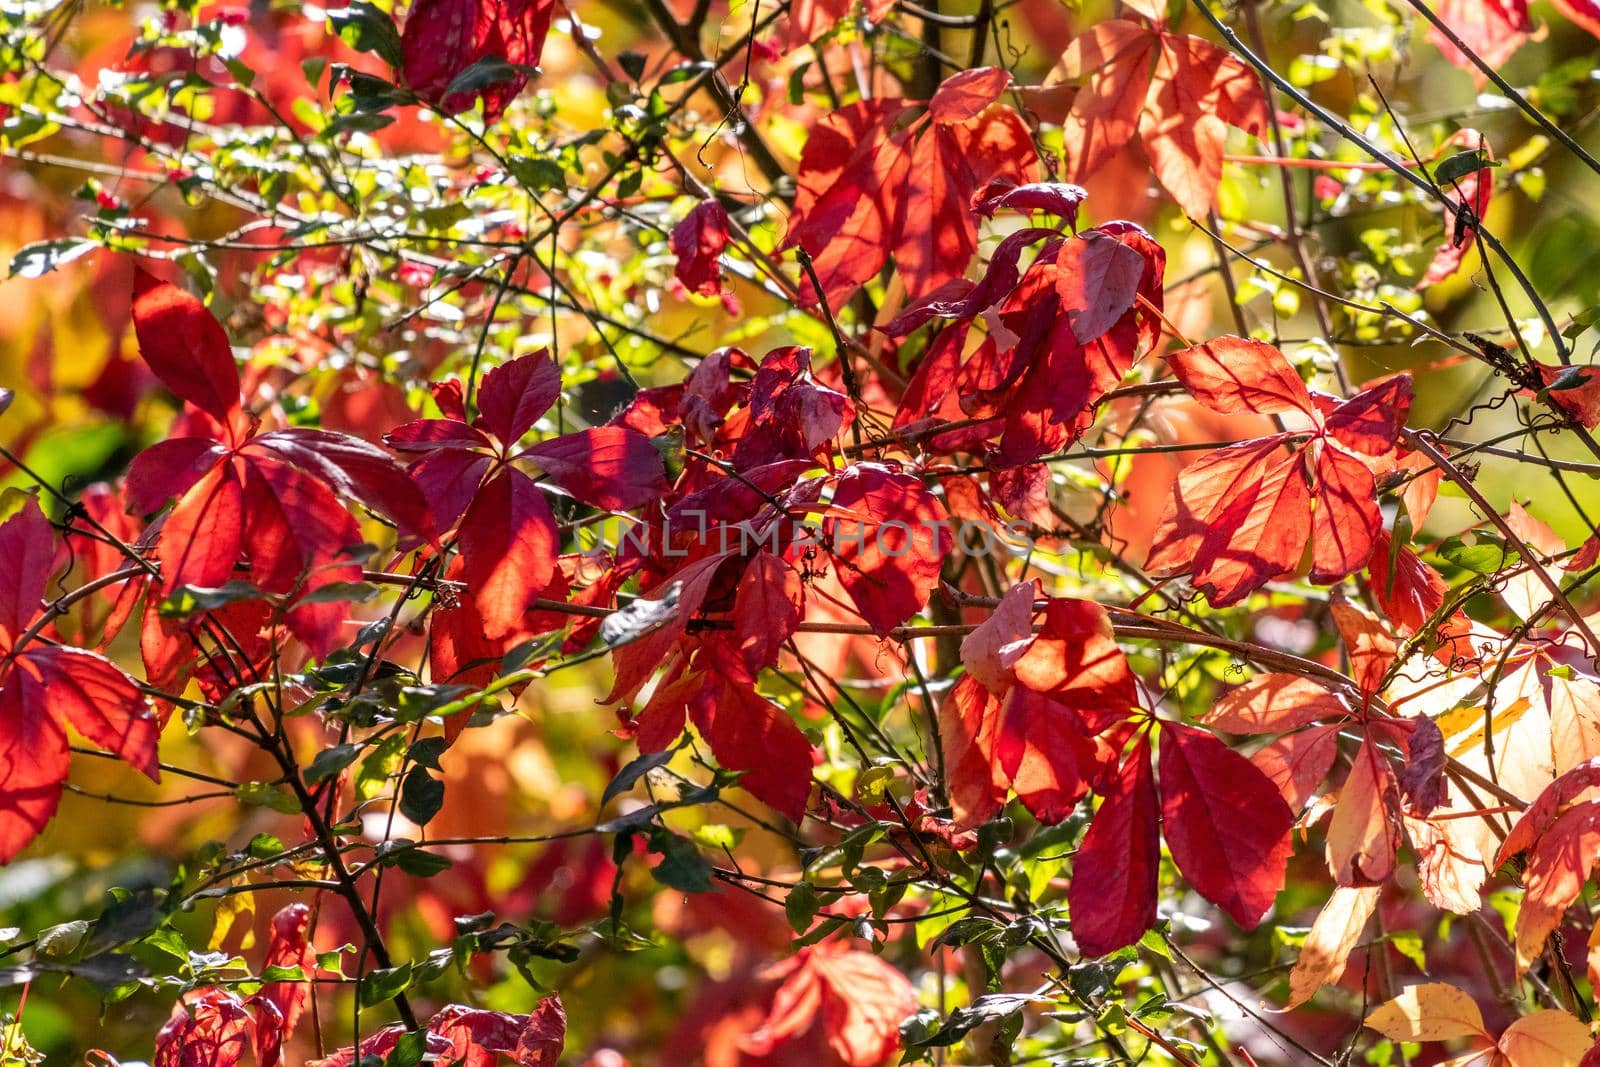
x,y
1244,514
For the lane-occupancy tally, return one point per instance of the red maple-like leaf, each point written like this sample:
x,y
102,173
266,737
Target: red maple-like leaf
x,y
46,688
283,485
208,1028
890,545
473,1037
1061,336
1225,824
473,478
1234,851
1179,93
1243,515
861,1001
875,180
1043,713
279,1005
444,38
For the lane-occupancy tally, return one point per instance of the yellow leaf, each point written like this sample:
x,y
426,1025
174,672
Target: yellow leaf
x,y
1545,1039
1430,1012
1333,935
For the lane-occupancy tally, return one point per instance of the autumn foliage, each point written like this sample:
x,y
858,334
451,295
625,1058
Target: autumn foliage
x,y
799,533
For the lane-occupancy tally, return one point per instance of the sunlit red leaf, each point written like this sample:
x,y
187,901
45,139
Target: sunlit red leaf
x,y
1112,897
1227,827
186,347
697,242
444,38
888,553
508,544
860,999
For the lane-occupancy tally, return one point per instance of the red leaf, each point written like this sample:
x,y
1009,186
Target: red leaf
x,y
1575,390
1048,753
299,541
1111,899
27,558
1542,813
1492,29
1061,199
210,1028
1297,763
443,38
290,946
479,1037
1225,823
964,96
1115,57
1370,421
1364,831
1075,660
995,645
186,347
698,242
1198,91
1242,515
842,212
936,235
1232,374
202,537
1275,704
1098,278
1182,108
889,554
352,468
969,734
610,467
167,469
1371,649
862,1001
33,764
766,610
1346,518
543,1036
508,545
93,694
747,732
1407,590
513,395
1238,518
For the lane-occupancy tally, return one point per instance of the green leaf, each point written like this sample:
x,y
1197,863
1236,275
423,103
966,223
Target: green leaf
x,y
192,599
409,1049
266,795
420,862
637,768
385,984
61,941
801,907
42,257
330,761
426,752
367,29
421,796
682,866
1460,165
490,70
340,593
1484,557
991,1007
